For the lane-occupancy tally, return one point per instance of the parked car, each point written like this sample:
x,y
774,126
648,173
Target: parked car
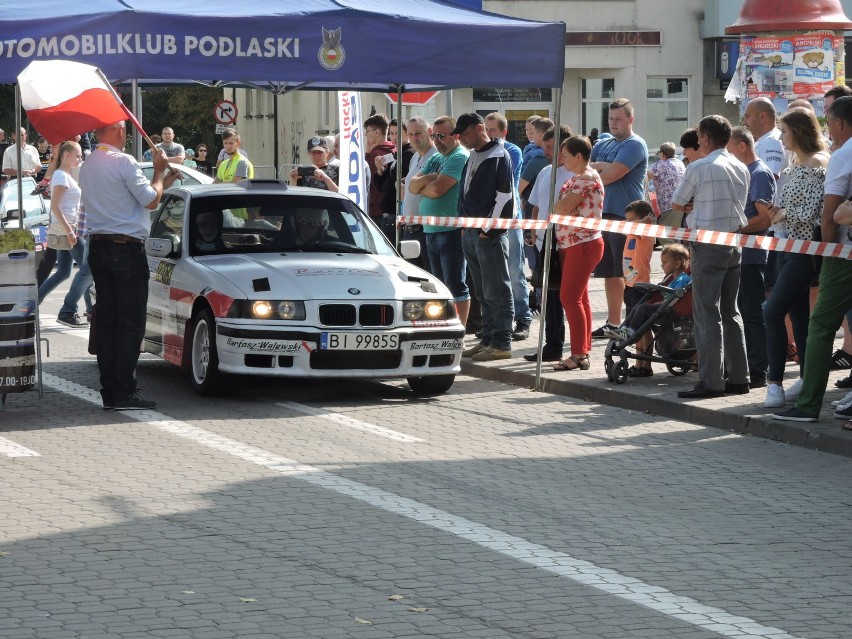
x,y
17,314
188,175
36,208
258,278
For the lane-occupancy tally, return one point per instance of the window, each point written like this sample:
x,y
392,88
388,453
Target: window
x,y
170,220
668,110
595,96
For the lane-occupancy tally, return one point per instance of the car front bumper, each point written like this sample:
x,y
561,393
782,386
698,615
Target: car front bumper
x,y
295,352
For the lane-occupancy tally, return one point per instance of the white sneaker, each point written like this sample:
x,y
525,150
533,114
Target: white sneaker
x,y
774,396
791,393
846,401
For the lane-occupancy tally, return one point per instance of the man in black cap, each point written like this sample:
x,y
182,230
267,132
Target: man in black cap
x,y
325,176
487,192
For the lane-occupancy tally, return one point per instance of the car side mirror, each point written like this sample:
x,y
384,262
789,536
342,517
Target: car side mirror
x,y
166,246
12,214
410,249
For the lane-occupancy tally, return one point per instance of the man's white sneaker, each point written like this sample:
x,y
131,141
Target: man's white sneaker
x,y
791,393
774,396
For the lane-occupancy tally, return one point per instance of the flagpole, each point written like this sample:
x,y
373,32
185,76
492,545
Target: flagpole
x,y
130,115
127,111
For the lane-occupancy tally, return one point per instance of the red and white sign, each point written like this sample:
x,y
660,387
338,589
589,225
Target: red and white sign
x,y
414,98
225,112
64,98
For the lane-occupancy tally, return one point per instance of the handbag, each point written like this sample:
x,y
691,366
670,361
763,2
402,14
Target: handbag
x,y
57,239
554,280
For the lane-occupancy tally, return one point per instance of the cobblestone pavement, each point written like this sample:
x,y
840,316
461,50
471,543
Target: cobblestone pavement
x,y
297,509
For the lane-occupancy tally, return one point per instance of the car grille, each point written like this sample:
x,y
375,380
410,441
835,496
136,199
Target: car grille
x,y
348,315
355,360
375,315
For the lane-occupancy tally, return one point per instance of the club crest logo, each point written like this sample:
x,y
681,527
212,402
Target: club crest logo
x,y
331,52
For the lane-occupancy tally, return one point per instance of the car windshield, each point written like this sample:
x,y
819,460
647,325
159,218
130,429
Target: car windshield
x,y
257,223
9,201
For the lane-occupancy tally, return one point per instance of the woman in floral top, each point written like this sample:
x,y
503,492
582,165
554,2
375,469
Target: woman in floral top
x,y
801,211
666,175
580,250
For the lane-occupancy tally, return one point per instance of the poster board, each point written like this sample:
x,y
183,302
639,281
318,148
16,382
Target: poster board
x,y
785,67
18,308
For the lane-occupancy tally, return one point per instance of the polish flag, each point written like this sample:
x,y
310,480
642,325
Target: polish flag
x,y
63,99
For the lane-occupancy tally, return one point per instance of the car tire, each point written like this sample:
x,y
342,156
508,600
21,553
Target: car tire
x,y
432,385
203,368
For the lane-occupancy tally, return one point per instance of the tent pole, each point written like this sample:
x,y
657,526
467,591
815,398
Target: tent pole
x,y
136,103
275,134
398,161
548,236
18,154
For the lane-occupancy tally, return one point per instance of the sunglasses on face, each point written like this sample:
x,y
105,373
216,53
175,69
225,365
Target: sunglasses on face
x,y
439,136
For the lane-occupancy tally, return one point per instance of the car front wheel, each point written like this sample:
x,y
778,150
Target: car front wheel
x,y
432,385
203,367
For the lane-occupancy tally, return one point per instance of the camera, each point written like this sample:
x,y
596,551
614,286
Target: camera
x,y
306,171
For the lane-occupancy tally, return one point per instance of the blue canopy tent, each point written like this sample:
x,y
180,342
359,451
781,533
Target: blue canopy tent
x,y
368,45
283,45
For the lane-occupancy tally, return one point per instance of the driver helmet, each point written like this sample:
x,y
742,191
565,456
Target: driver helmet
x,y
312,217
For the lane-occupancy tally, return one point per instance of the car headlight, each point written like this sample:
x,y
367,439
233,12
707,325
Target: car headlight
x,y
420,310
268,309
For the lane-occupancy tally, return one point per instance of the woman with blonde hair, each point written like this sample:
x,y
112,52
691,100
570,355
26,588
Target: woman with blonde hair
x,y
64,213
800,212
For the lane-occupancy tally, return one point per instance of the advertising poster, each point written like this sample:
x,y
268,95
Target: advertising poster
x,y
18,295
353,178
790,66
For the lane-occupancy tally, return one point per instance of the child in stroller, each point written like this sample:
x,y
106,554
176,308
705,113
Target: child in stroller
x,y
662,319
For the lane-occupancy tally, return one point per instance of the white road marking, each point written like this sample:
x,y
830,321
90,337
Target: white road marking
x,y
49,326
659,599
350,422
11,449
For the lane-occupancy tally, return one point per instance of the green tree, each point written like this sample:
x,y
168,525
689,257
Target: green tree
x,y
187,109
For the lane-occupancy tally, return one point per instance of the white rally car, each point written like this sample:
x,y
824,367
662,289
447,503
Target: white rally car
x,y
259,278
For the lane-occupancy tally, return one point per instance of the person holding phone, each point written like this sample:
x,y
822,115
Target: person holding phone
x,y
320,175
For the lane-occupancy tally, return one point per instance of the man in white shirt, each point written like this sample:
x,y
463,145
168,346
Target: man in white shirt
x,y
539,199
29,158
419,132
718,183
760,118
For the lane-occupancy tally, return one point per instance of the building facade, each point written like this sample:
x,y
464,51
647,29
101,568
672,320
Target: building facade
x,y
666,57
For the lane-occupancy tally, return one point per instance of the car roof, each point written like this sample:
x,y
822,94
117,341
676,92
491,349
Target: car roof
x,y
261,186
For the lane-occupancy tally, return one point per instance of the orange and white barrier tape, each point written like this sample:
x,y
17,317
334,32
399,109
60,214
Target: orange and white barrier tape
x,y
484,223
718,238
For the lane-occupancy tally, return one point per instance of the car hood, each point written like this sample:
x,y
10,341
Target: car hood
x,y
325,276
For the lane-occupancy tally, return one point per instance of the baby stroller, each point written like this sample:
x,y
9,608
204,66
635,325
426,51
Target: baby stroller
x,y
673,331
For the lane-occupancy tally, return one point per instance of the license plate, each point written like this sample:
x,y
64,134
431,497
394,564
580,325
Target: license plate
x,y
359,341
